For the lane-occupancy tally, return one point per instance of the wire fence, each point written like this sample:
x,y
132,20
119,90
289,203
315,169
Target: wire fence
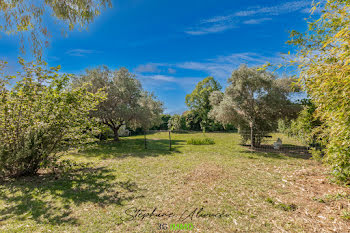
x,y
263,142
275,143
169,142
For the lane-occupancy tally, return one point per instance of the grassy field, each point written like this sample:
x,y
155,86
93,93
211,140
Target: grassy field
x,y
223,187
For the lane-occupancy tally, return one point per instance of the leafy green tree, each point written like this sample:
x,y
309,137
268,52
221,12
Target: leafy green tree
x,y
164,123
323,58
198,100
253,102
306,126
174,122
26,18
40,117
191,120
150,111
183,123
126,103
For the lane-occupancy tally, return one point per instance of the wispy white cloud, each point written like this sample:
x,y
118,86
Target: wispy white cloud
x,y
283,8
216,19
171,71
256,21
220,70
155,68
167,82
159,79
80,52
221,67
225,22
147,68
210,28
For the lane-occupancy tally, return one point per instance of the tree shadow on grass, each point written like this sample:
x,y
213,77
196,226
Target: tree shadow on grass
x,y
263,154
131,148
48,199
286,150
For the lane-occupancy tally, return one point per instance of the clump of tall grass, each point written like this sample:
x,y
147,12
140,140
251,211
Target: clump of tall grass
x,y
197,141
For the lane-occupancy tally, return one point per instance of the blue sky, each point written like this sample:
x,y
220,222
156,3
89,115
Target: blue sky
x,y
171,45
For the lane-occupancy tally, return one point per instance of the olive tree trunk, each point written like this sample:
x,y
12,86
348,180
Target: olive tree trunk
x,y
115,132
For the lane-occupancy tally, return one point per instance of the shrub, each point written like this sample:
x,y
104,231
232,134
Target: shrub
x,y
205,141
323,61
39,118
305,126
283,126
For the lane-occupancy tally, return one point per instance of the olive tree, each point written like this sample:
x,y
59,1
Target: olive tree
x,y
126,104
150,111
253,102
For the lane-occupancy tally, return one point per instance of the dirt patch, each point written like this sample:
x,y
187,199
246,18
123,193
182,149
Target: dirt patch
x,y
154,139
201,180
321,204
205,173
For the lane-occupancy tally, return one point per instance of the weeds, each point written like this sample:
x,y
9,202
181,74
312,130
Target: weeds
x,y
196,141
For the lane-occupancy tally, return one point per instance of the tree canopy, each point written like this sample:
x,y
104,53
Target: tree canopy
x,y
126,104
198,100
255,100
40,117
174,122
26,18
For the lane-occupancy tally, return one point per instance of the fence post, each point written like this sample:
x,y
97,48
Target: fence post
x,y
169,141
251,135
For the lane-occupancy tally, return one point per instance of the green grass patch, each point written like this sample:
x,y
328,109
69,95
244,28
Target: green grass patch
x,y
224,178
199,141
346,215
281,206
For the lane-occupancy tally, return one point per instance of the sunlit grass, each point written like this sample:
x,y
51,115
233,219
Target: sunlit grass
x,y
222,178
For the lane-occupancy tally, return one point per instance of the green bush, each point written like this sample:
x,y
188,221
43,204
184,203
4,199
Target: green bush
x,y
305,126
283,126
39,118
197,141
325,78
